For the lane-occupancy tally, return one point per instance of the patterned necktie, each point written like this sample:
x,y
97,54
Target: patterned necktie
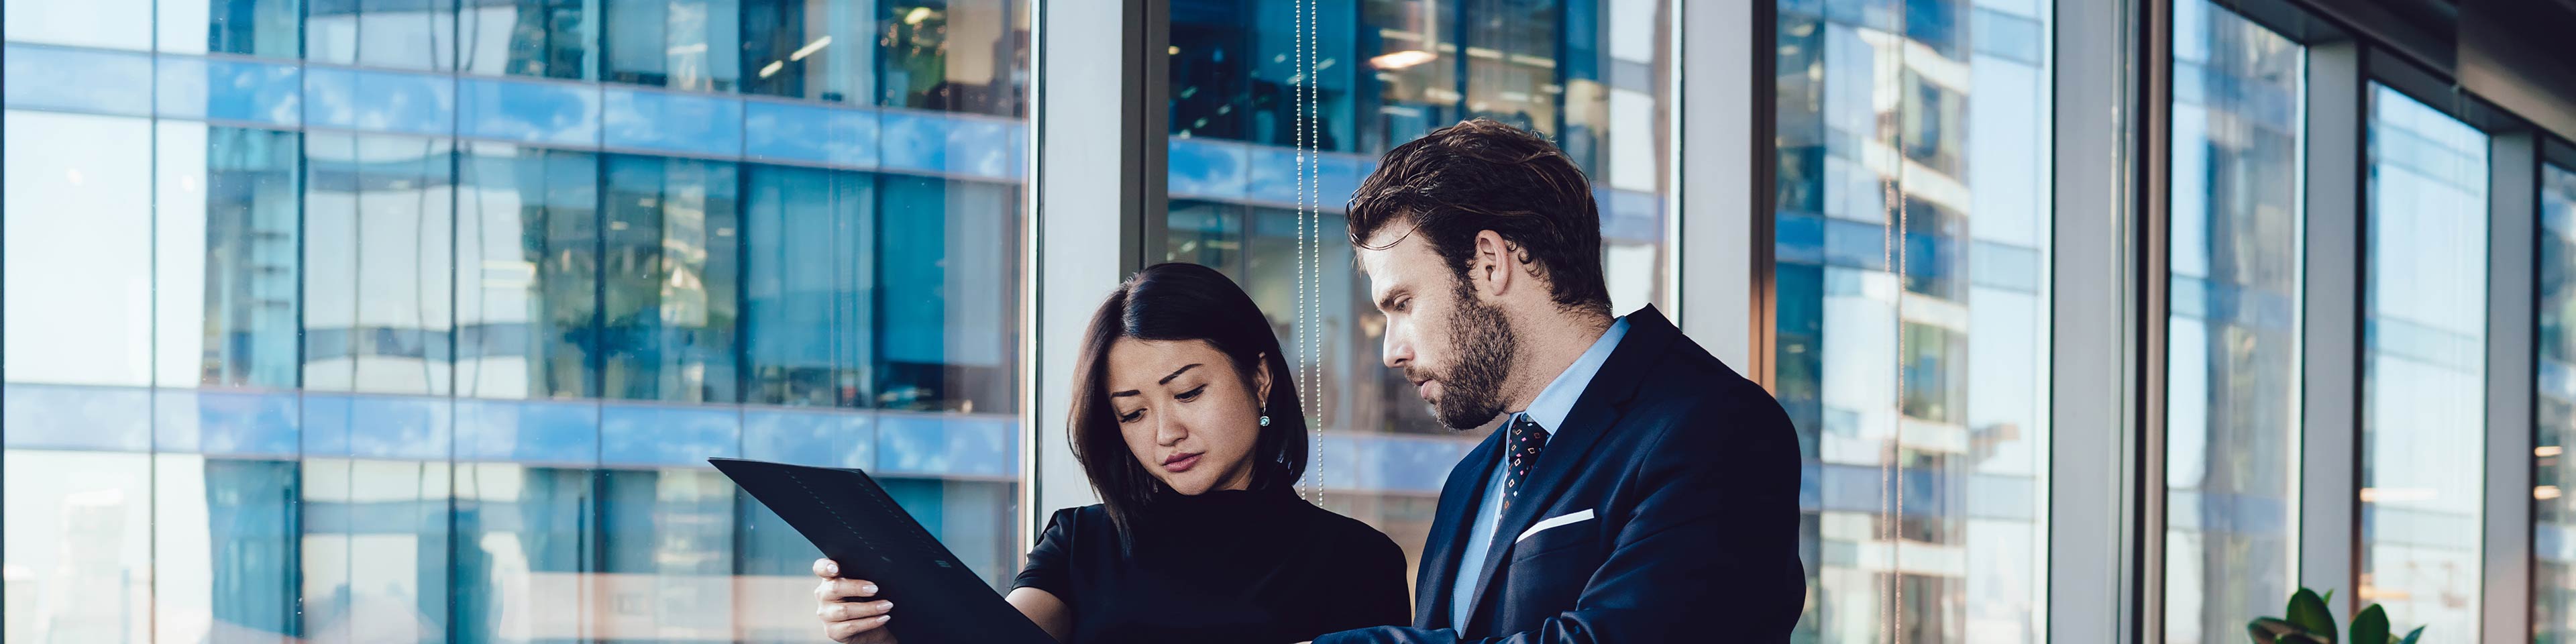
x,y
1526,440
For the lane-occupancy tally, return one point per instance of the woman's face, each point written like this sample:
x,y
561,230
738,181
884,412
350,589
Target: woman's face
x,y
1186,413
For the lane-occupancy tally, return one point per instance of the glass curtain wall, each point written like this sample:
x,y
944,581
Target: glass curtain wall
x,y
1588,75
2553,474
2232,394
414,321
2423,407
1912,312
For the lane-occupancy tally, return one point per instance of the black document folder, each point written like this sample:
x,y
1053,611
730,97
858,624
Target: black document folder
x,y
937,600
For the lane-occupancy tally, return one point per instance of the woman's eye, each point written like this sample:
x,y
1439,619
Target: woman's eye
x,y
1130,417
1187,396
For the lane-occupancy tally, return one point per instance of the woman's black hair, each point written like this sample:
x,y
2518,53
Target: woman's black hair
x,y
1179,302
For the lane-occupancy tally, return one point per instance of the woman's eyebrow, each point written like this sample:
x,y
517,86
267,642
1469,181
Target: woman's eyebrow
x,y
1176,373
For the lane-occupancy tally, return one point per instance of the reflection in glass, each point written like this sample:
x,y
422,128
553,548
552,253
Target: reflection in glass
x,y
954,55
409,34
2553,513
547,38
817,50
1912,322
377,263
226,534
98,23
2232,403
809,285
679,44
527,248
525,539
2424,365
247,27
374,550
78,546
669,280
945,343
226,226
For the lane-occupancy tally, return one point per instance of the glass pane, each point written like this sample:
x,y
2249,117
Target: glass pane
x,y
227,228
548,38
377,263
79,545
669,280
1912,320
680,44
2553,514
442,369
409,34
247,27
79,266
527,251
1381,73
2423,365
2232,403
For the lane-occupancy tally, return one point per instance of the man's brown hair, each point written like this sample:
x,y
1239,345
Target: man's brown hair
x,y
1481,175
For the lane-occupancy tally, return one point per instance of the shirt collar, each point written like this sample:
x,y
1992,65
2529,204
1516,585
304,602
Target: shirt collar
x,y
1556,401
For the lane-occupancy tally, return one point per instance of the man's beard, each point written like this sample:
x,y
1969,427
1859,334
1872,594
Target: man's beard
x,y
1482,338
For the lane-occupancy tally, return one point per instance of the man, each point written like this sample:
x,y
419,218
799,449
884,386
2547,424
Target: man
x,y
1638,490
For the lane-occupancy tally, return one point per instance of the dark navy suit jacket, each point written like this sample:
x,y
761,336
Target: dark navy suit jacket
x,y
1690,473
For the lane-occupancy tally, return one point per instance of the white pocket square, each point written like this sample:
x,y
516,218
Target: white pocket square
x,y
1554,521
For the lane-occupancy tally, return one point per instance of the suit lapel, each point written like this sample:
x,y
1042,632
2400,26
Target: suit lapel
x,y
1568,452
1458,501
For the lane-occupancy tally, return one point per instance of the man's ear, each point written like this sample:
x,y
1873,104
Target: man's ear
x,y
1492,268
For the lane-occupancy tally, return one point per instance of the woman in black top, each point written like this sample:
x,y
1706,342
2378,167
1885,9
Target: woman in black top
x,y
1201,536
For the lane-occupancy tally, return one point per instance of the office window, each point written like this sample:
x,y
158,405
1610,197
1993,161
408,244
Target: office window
x,y
106,23
818,50
2423,365
226,226
374,550
679,44
80,533
546,38
525,538
1381,73
2553,473
247,27
955,55
1912,315
668,554
809,286
224,547
945,342
527,247
408,34
79,271
377,263
2232,397
670,279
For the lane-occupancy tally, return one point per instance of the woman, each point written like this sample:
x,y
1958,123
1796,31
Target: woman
x,y
1195,445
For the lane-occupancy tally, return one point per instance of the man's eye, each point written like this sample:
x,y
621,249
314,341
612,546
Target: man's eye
x,y
1193,394
1130,417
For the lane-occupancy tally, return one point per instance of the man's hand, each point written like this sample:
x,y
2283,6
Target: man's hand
x,y
849,616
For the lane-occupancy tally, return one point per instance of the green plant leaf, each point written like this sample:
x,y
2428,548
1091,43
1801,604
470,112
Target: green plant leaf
x,y
2371,626
2329,597
2411,635
2309,612
2270,630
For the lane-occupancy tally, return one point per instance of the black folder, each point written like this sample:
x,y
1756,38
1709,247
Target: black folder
x,y
937,600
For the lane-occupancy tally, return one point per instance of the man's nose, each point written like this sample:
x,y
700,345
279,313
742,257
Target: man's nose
x,y
1397,350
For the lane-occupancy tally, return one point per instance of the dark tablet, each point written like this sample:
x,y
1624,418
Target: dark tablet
x,y
852,520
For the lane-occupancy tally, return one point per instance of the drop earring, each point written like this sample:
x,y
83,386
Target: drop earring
x,y
1264,410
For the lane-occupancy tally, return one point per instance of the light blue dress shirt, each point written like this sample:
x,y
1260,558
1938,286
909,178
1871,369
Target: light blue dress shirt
x,y
1548,410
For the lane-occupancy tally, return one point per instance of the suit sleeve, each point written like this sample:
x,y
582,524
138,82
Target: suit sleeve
x,y
1709,553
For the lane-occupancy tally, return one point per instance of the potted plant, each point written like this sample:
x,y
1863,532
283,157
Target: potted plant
x,y
2310,622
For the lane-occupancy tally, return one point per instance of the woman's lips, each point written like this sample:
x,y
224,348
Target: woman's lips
x,y
1179,463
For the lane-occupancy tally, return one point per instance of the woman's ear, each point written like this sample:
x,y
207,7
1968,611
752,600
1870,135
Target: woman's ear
x,y
1261,380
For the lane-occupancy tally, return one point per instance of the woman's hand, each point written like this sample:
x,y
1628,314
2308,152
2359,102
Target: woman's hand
x,y
849,614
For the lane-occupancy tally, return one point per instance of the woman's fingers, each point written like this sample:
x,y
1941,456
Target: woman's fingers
x,y
846,611
837,589
826,568
850,631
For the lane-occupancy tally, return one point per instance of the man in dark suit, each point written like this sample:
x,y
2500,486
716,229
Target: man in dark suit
x,y
1638,489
